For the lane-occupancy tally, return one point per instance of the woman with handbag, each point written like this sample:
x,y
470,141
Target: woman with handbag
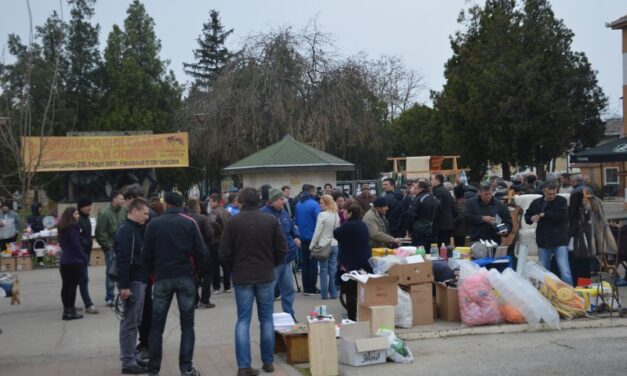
x,y
71,262
323,246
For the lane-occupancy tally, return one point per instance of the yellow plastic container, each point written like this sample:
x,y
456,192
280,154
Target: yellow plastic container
x,y
380,252
464,252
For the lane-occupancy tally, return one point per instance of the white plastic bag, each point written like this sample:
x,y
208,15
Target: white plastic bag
x,y
518,292
403,314
397,350
380,265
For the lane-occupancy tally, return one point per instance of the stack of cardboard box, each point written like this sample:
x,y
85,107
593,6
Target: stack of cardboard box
x,y
416,277
376,300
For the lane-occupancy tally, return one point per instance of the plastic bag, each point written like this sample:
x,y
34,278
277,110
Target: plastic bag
x,y
561,295
380,265
477,303
403,314
397,350
522,295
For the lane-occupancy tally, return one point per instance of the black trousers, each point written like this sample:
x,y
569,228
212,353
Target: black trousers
x,y
348,298
444,236
144,327
70,278
460,241
216,264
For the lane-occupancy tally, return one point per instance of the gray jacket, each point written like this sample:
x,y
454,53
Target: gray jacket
x,y
11,223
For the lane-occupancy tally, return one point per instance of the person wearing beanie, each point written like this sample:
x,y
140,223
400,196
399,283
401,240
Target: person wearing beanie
x,y
84,205
283,276
173,246
378,226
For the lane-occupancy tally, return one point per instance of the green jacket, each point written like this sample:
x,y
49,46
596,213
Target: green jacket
x,y
107,224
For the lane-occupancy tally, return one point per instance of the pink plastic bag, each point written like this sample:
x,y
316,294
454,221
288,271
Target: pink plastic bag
x,y
477,303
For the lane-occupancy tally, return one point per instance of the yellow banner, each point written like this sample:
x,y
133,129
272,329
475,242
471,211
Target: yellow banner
x,y
105,152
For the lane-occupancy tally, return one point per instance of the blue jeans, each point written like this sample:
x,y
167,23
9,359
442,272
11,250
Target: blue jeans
x,y
328,268
244,296
83,286
309,269
129,325
561,256
283,280
185,290
109,283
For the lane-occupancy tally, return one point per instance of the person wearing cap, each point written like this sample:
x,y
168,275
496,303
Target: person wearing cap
x,y
172,247
283,277
378,226
107,224
364,199
253,244
84,205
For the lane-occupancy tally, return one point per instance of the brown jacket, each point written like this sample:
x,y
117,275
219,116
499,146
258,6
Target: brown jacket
x,y
252,245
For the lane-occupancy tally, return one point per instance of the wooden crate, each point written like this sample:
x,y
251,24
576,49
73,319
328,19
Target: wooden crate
x,y
295,346
7,264
97,257
24,263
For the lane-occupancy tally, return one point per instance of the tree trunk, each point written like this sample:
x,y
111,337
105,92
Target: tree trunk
x,y
540,171
506,171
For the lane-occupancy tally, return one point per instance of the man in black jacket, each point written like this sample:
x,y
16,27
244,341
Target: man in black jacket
x,y
551,214
395,207
84,205
204,270
483,214
444,222
132,277
421,215
172,247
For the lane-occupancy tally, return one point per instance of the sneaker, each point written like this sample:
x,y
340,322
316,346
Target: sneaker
x,y
268,368
215,292
191,372
247,372
91,310
227,291
206,305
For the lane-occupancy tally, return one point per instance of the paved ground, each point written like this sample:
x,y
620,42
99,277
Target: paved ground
x,y
35,341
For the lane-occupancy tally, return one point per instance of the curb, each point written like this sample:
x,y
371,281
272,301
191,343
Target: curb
x,y
514,328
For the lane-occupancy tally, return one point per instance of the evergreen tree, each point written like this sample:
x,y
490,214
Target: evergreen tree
x,y
138,93
211,55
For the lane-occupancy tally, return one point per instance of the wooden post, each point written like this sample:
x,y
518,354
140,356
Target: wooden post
x,y
322,348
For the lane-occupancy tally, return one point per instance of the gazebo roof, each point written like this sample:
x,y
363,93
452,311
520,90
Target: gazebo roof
x,y
289,154
615,151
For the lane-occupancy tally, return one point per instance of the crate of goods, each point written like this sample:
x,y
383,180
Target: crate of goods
x,y
357,346
414,271
23,263
421,303
322,347
447,299
97,257
7,264
377,316
378,291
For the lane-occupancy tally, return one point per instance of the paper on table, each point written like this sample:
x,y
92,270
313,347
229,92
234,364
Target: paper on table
x,y
363,278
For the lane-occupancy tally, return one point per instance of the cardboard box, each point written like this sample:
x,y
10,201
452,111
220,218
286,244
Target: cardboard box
x,y
435,309
295,346
421,303
358,347
448,302
378,316
97,257
412,274
23,263
7,264
381,291
322,348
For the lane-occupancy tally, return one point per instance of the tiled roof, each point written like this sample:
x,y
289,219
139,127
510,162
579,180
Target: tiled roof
x,y
289,154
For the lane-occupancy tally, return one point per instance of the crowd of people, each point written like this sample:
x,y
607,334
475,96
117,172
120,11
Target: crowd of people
x,y
255,242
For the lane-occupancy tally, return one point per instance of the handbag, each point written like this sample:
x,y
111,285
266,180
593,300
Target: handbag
x,y
322,252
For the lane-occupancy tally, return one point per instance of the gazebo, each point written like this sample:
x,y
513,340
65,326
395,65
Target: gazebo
x,y
289,162
606,165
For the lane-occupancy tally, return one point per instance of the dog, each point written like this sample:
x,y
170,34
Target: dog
x,y
15,292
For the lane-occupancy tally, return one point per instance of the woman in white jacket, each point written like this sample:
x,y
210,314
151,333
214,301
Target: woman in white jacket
x,y
327,221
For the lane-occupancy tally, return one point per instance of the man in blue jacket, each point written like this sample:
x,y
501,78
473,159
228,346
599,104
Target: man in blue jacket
x,y
307,211
172,247
283,272
132,277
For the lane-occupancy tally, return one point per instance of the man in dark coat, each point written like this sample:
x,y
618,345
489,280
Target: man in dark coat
x,y
395,209
482,214
253,244
551,215
204,277
444,222
421,214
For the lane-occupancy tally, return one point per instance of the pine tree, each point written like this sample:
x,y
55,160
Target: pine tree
x,y
211,55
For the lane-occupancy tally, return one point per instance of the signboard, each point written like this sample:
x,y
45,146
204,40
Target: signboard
x,y
105,152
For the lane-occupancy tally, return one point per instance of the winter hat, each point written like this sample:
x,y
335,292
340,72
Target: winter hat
x,y
83,201
380,202
274,194
174,199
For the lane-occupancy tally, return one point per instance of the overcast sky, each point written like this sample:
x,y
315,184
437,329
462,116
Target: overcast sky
x,y
416,30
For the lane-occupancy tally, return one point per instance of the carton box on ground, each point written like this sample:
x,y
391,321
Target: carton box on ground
x,y
377,316
448,302
421,303
322,347
357,346
7,264
97,257
294,345
412,273
380,291
23,263
435,309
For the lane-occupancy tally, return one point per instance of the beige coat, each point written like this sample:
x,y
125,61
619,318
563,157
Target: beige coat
x,y
378,229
